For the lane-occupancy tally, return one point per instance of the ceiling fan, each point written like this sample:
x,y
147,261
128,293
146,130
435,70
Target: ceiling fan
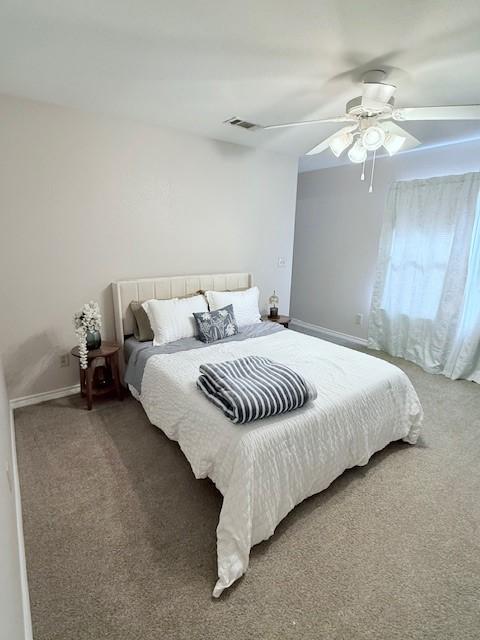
x,y
371,120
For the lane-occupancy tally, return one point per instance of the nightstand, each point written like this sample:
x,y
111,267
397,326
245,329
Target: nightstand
x,y
102,374
284,320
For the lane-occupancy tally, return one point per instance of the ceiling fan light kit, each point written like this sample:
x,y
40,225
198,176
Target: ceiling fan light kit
x,y
340,143
357,153
393,143
373,137
371,122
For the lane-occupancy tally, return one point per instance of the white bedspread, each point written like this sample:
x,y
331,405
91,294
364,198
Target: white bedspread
x,y
267,467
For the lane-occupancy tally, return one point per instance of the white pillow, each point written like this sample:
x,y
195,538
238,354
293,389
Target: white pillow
x,y
245,304
172,319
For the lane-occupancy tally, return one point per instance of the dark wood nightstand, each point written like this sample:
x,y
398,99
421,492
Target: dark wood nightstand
x,y
279,319
106,379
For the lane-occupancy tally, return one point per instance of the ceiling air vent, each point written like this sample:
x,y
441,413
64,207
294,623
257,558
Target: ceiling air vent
x,y
237,122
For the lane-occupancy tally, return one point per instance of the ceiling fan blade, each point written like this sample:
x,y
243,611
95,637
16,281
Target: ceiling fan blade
x,y
321,146
345,118
375,95
460,112
410,143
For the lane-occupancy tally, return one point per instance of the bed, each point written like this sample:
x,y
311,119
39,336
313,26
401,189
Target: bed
x,y
267,467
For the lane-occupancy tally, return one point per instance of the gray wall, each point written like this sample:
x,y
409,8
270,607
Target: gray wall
x,y
86,200
337,229
11,617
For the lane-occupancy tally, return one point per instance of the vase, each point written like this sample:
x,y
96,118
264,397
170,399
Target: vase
x,y
94,340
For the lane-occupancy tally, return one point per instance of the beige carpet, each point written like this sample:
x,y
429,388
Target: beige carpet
x,y
120,537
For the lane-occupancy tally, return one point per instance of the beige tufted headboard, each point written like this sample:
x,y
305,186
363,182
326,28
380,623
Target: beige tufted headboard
x,y
163,288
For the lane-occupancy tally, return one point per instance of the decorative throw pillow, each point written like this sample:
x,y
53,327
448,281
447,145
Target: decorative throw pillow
x,y
216,325
142,329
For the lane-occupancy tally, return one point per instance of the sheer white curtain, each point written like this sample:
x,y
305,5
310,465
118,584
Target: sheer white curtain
x,y
426,298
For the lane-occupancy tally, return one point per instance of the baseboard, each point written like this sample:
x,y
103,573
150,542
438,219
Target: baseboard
x,y
330,334
35,398
27,618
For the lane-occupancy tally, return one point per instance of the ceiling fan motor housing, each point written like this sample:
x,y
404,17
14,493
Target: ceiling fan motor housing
x,y
356,108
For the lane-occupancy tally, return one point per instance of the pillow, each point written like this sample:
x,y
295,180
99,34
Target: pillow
x,y
172,319
244,303
216,325
142,329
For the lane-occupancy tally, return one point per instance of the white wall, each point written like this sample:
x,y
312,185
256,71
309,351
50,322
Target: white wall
x,y
11,617
86,200
337,230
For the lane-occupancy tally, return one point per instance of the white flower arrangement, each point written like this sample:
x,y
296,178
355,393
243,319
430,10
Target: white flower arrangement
x,y
87,320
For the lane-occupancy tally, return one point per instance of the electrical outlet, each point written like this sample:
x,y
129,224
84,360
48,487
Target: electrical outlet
x,y
359,319
281,262
65,360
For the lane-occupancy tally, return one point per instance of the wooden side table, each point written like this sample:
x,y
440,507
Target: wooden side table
x,y
107,358
284,320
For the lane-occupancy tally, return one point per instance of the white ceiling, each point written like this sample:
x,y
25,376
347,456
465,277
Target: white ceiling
x,y
191,64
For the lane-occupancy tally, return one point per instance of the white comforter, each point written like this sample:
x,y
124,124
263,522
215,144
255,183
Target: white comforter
x,y
264,469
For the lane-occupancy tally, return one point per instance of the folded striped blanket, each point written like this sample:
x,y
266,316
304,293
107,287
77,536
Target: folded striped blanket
x,y
253,387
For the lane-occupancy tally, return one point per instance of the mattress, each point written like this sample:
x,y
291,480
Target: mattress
x,y
265,468
139,353
131,346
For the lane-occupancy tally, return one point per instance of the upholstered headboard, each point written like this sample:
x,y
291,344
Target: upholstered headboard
x,y
163,288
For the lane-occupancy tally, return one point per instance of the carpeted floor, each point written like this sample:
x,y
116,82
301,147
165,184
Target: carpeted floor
x,y
120,537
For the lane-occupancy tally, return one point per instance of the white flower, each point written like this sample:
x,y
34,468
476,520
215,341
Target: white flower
x,y
87,320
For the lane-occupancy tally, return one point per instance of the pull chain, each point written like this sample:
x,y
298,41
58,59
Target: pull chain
x,y
362,177
370,189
